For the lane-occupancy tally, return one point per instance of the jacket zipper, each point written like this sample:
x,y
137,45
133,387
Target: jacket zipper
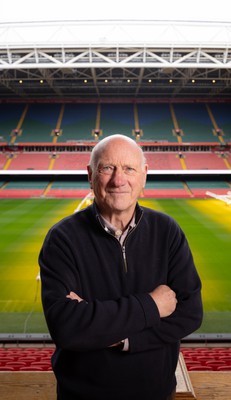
x,y
124,258
123,245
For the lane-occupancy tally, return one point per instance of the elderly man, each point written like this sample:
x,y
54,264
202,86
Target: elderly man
x,y
119,287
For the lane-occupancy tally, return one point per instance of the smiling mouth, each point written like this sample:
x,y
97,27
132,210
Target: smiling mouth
x,y
113,192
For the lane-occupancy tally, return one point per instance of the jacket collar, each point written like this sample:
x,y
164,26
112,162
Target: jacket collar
x,y
138,211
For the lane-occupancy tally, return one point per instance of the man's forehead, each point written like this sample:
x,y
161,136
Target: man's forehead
x,y
118,160
119,153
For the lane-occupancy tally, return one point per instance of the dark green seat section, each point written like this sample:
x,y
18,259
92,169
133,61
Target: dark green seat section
x,y
70,184
2,183
10,115
195,122
117,118
206,183
78,122
39,122
222,113
158,183
156,122
27,184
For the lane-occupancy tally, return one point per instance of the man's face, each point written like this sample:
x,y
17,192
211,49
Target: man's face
x,y
118,178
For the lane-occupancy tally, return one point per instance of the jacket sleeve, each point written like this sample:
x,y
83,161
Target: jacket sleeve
x,y
184,280
86,325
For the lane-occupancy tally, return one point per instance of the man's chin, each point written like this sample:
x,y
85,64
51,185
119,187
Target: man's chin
x,y
119,205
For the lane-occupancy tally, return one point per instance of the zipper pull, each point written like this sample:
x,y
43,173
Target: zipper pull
x,y
124,258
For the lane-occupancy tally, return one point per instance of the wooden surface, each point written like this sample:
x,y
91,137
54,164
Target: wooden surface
x,y
211,385
27,385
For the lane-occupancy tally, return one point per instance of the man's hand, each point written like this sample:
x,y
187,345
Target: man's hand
x,y
74,296
165,299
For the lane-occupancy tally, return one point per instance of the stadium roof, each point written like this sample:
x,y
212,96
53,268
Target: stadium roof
x,y
129,59
115,33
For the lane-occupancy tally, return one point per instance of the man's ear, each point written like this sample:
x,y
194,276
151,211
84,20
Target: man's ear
x,y
89,170
145,174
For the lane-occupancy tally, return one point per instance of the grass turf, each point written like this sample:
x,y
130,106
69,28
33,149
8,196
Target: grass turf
x,y
24,224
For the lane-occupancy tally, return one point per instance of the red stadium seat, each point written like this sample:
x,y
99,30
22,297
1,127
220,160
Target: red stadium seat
x,y
16,365
46,366
193,364
6,359
203,360
28,360
6,368
224,368
200,368
224,358
29,368
214,365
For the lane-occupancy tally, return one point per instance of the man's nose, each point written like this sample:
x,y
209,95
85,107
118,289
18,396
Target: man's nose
x,y
118,177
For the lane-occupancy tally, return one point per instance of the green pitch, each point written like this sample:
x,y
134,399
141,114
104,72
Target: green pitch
x,y
24,224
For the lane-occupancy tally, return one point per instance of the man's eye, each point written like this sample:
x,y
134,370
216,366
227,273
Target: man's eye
x,y
129,170
106,169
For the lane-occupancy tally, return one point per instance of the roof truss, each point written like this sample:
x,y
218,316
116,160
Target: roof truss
x,y
115,57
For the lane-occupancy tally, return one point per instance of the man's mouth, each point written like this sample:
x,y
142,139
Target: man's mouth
x,y
115,192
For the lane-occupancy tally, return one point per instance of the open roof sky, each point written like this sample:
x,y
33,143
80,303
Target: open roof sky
x,y
52,10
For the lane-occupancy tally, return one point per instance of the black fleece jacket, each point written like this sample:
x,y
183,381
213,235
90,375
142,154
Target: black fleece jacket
x,y
79,255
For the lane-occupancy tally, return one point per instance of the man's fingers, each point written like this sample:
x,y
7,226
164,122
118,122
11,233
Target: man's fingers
x,y
74,296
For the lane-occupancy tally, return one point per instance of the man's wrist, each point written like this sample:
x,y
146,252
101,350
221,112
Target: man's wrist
x,y
120,345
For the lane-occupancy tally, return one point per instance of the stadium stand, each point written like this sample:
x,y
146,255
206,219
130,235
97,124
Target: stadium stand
x,y
29,358
195,123
78,122
156,123
68,188
25,161
23,187
71,161
35,122
117,118
37,129
199,186
26,184
163,161
74,161
38,123
204,161
166,187
2,160
221,113
228,158
10,120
